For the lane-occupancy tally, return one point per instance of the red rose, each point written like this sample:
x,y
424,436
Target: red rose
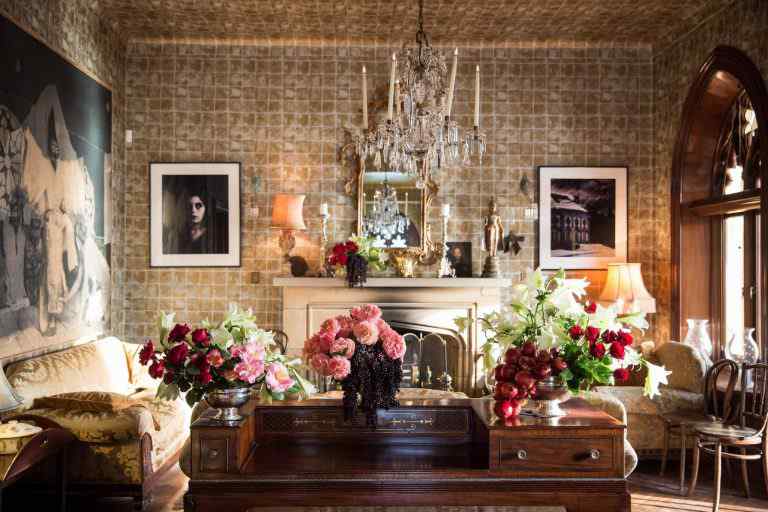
x,y
351,246
205,377
621,374
576,332
178,354
593,333
178,333
610,336
156,369
201,337
617,350
597,350
590,308
147,352
168,379
626,338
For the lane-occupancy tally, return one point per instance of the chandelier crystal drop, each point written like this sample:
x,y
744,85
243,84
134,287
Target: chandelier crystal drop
x,y
419,135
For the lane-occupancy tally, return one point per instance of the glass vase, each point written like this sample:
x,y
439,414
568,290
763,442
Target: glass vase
x,y
698,338
744,350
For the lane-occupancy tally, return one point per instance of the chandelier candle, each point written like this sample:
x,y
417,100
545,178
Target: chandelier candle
x,y
365,101
477,96
452,82
390,105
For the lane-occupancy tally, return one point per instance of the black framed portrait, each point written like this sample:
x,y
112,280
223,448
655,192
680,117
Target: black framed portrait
x,y
195,214
460,258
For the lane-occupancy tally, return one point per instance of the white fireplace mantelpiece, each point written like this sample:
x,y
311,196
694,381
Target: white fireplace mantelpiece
x,y
307,301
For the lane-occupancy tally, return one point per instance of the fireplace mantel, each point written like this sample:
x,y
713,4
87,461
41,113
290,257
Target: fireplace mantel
x,y
307,301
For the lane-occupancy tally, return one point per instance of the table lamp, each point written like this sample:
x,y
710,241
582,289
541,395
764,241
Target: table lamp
x,y
287,216
624,286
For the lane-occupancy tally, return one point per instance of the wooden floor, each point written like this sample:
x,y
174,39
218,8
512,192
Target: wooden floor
x,y
649,492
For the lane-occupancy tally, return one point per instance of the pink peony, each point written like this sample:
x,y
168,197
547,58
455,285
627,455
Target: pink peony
x,y
338,367
345,326
382,325
324,342
249,369
277,378
252,349
319,363
214,358
330,326
366,332
344,347
394,344
366,312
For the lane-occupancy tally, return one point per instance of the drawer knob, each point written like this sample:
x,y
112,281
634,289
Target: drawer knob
x,y
594,454
522,454
213,453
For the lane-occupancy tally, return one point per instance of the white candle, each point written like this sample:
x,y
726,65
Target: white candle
x,y
453,81
446,210
391,88
477,96
365,101
324,209
397,100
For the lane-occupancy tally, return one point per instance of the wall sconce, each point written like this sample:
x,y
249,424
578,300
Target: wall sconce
x,y
288,217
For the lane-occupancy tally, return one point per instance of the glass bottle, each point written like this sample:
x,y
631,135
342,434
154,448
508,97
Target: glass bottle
x,y
698,338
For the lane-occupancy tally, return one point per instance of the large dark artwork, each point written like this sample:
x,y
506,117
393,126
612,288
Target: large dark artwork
x,y
55,150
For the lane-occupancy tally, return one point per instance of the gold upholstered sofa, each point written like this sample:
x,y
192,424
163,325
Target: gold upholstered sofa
x,y
118,453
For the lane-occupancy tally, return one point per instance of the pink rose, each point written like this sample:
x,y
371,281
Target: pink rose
x,y
344,347
324,342
178,354
319,363
366,332
382,325
214,358
330,326
394,345
277,378
366,312
338,367
345,326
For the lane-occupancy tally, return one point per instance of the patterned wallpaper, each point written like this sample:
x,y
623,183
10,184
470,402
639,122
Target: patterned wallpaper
x,y
742,26
282,111
75,30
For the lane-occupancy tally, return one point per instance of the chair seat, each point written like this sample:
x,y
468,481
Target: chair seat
x,y
676,419
726,431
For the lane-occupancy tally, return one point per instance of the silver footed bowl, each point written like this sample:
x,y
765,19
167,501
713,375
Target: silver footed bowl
x,y
228,401
550,393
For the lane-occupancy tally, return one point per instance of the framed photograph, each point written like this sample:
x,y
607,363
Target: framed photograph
x,y
460,258
194,214
582,217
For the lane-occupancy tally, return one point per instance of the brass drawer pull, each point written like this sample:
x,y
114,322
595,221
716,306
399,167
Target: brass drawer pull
x,y
522,454
212,454
594,454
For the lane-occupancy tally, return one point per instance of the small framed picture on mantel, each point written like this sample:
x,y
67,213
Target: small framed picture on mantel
x,y
582,217
194,214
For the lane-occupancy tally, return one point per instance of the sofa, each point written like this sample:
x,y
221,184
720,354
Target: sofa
x,y
117,453
645,428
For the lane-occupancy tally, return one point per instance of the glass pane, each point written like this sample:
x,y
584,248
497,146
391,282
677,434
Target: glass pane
x,y
734,277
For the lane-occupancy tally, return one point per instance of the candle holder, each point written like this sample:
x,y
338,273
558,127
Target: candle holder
x,y
474,144
323,267
446,269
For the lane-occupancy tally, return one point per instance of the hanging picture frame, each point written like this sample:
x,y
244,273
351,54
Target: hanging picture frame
x,y
194,214
582,217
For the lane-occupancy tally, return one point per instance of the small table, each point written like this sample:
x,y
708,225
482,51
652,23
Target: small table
x,y
52,441
423,453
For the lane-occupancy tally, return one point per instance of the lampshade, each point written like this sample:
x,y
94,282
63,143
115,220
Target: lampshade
x,y
287,211
624,284
8,398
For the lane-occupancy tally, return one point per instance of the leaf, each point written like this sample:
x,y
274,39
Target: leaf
x,y
168,392
264,395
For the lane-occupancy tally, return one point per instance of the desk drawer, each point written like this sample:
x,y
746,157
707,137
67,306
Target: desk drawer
x,y
557,455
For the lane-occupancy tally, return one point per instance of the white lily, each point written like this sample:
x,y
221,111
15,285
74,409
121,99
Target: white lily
x,y
265,338
657,375
164,326
222,337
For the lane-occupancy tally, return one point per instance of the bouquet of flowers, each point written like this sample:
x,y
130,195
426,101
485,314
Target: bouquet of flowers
x,y
546,330
362,353
356,255
234,354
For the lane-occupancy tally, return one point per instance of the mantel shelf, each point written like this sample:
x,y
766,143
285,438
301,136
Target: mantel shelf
x,y
393,282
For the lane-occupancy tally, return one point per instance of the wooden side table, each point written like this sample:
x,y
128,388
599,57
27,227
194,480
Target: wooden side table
x,y
51,442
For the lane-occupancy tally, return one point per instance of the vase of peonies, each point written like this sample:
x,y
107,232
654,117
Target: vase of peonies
x,y
550,341
224,364
362,353
354,257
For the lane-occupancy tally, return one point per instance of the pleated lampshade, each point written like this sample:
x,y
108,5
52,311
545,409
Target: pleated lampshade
x,y
624,285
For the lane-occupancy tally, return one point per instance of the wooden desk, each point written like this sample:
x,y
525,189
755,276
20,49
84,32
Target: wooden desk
x,y
425,453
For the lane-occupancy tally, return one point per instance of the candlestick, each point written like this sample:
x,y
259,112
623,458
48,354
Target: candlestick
x,y
391,88
477,96
397,101
323,268
453,81
446,210
365,100
324,209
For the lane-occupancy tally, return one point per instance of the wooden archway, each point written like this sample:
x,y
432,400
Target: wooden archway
x,y
695,240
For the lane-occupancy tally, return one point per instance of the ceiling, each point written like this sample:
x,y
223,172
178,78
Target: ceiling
x,y
651,22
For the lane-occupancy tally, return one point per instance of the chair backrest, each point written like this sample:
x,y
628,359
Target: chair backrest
x,y
725,371
754,396
281,339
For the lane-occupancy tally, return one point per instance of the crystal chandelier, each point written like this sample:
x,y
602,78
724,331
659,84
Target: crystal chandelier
x,y
419,135
386,222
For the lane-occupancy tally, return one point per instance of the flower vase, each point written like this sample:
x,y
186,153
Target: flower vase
x,y
550,393
228,403
698,338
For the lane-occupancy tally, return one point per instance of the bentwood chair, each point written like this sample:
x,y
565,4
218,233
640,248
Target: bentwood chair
x,y
745,441
715,411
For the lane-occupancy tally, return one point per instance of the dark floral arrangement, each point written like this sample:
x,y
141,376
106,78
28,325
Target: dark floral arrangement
x,y
356,255
363,354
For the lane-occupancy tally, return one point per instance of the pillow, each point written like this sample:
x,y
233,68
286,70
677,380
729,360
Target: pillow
x,y
92,401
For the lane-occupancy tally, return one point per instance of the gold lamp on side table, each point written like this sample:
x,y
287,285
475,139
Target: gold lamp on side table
x,y
287,215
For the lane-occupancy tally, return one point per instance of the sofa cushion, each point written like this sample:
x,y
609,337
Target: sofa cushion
x,y
686,364
93,401
97,366
632,398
